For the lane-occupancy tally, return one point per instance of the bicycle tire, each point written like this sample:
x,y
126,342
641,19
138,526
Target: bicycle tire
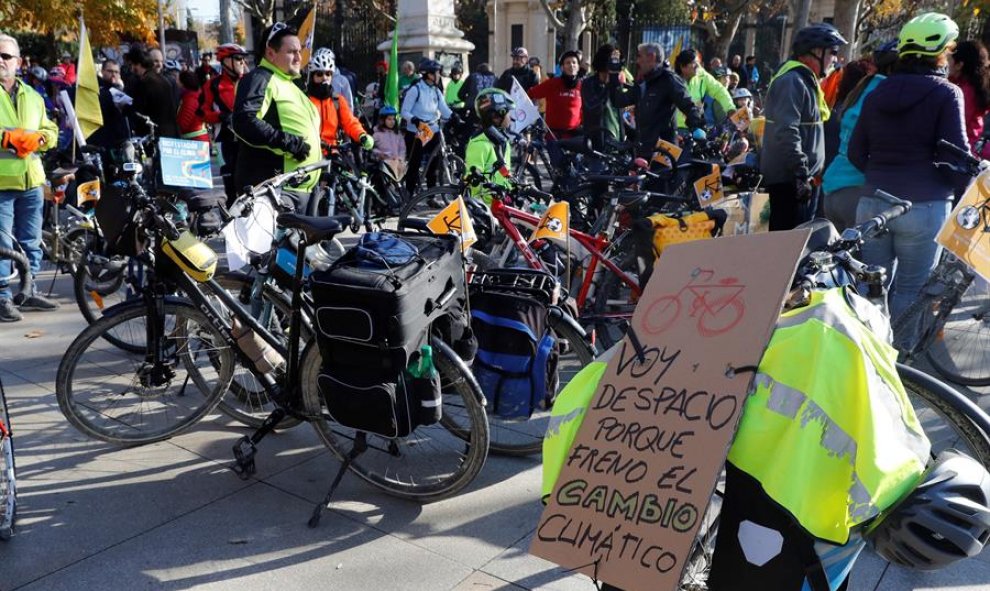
x,y
246,401
21,265
614,301
960,351
110,421
93,295
382,465
523,438
942,404
8,476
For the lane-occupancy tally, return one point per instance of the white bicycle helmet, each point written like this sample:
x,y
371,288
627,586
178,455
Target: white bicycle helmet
x,y
323,60
945,519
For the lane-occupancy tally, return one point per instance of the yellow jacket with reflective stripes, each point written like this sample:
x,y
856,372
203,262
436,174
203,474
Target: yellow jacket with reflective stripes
x,y
830,411
19,174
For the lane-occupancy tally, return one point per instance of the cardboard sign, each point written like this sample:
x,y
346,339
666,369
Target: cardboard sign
x,y
708,188
555,224
966,233
632,493
186,163
425,134
662,158
454,219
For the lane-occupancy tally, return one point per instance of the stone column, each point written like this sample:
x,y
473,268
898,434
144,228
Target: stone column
x,y
538,34
428,28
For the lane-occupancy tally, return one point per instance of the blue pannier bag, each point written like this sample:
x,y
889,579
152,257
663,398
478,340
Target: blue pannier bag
x,y
516,362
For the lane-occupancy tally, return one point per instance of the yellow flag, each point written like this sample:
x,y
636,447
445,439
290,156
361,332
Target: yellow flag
x,y
741,118
87,88
88,192
454,219
672,148
555,224
709,188
306,33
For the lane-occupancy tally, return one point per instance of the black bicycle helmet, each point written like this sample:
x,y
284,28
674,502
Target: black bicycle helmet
x,y
944,519
816,36
491,102
428,66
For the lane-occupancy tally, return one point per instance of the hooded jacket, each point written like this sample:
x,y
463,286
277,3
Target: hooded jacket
x,y
895,142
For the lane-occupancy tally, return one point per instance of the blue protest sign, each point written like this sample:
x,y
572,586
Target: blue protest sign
x,y
185,163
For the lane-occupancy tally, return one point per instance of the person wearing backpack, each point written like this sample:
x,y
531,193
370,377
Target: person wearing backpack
x,y
423,108
217,105
335,110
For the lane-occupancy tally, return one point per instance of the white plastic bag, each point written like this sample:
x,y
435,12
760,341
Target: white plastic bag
x,y
250,235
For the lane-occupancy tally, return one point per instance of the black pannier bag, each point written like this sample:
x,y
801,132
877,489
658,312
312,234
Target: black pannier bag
x,y
374,308
517,356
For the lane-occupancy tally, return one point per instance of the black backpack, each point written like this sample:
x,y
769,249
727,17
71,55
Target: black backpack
x,y
374,308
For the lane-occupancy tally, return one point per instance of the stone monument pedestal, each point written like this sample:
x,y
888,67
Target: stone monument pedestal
x,y
428,28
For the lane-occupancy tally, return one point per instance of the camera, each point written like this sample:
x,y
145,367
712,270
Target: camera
x,y
615,65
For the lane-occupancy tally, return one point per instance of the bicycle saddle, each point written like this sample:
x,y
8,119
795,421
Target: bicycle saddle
x,y
628,199
314,228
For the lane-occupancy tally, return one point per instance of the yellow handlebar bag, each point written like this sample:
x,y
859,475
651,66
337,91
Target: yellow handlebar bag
x,y
193,256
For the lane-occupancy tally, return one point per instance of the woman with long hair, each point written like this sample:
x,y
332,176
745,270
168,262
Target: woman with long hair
x,y
969,69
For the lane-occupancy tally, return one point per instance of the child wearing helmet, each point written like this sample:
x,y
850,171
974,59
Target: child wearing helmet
x,y
488,151
389,143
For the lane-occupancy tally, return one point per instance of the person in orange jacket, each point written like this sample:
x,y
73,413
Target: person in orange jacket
x,y
335,112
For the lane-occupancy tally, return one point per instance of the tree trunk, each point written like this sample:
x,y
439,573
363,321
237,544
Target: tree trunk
x,y
728,34
802,11
226,32
574,26
846,17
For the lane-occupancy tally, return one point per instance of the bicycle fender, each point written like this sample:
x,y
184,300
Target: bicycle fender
x,y
559,314
956,400
128,304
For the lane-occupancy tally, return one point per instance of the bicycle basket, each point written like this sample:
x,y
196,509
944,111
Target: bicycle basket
x,y
120,221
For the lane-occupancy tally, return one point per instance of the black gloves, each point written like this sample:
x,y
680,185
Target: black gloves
x,y
415,121
296,146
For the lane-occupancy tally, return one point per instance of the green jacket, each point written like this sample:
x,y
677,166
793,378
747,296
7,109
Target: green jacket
x,y
20,174
705,85
481,154
268,109
451,92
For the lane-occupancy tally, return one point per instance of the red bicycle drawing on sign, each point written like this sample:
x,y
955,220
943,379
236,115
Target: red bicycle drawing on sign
x,y
717,304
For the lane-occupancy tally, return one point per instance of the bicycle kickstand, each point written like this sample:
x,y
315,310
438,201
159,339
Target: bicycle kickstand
x,y
246,447
360,445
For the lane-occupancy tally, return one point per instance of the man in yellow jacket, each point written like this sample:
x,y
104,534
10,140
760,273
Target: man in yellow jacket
x,y
703,88
25,131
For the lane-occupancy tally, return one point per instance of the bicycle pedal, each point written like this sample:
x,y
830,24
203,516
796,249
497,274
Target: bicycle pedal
x,y
244,452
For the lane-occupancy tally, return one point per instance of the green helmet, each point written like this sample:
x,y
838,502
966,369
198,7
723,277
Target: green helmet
x,y
927,34
492,101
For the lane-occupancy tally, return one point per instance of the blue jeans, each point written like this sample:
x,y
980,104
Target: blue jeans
x,y
20,216
909,245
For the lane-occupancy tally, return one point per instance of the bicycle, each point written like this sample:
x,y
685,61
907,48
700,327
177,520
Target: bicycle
x,y
8,476
192,339
948,323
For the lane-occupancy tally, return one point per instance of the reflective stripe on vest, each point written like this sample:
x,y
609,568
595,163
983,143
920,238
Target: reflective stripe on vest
x,y
195,133
566,418
827,403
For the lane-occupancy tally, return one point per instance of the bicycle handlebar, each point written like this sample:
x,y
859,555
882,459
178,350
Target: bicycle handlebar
x,y
276,182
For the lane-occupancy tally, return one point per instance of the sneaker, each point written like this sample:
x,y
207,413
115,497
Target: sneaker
x,y
35,303
8,313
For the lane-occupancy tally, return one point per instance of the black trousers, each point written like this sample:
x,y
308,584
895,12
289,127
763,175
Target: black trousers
x,y
416,154
228,150
786,212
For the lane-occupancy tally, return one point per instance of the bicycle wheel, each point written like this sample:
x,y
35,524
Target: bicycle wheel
x,y
947,425
121,397
247,401
8,480
960,351
425,205
431,463
101,282
614,301
525,437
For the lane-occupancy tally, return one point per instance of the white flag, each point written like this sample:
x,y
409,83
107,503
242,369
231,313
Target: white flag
x,y
525,113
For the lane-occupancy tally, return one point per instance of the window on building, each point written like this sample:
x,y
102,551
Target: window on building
x,y
517,36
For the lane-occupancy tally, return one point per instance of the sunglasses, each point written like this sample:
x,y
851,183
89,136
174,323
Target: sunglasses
x,y
276,29
7,56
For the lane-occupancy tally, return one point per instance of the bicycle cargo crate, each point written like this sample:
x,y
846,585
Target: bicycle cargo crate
x,y
376,314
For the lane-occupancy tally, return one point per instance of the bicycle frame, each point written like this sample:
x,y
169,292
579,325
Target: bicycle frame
x,y
508,216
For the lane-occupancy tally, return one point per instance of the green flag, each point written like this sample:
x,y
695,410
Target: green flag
x,y
392,81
